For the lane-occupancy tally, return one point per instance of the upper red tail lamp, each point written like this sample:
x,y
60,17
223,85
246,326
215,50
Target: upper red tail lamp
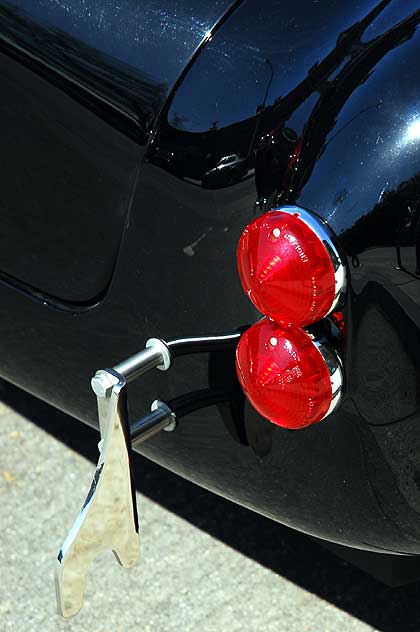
x,y
289,266
288,376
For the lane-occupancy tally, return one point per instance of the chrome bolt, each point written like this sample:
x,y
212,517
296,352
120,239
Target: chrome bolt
x,y
172,417
102,383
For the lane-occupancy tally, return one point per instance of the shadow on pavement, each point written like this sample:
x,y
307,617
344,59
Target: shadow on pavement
x,y
286,552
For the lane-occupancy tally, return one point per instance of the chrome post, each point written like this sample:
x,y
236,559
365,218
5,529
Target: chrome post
x,y
155,355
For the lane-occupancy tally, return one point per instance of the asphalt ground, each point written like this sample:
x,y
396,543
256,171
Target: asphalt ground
x,y
207,565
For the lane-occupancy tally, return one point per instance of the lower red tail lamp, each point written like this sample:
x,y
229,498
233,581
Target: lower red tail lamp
x,y
290,267
289,377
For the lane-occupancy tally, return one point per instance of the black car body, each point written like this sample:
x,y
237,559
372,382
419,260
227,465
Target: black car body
x,y
112,230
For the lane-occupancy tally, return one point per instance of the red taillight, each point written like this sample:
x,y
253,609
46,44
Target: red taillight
x,y
288,268
286,376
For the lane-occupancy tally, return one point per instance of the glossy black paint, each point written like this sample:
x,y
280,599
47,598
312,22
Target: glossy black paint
x,y
317,103
82,84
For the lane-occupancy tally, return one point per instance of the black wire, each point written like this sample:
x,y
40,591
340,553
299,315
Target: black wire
x,y
189,402
203,344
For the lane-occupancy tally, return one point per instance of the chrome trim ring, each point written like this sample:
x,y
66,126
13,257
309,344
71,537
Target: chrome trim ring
x,y
325,234
335,369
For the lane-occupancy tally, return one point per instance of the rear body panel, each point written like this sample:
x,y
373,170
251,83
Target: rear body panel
x,y
80,89
316,101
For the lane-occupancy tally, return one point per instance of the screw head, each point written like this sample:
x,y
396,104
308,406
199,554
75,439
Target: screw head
x,y
102,383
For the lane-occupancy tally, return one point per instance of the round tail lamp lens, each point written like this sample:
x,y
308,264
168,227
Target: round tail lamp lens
x,y
286,269
286,376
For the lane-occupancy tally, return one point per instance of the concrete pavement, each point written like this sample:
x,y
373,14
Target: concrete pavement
x,y
207,565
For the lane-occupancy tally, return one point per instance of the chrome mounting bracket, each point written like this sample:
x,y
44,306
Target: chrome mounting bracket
x,y
108,519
